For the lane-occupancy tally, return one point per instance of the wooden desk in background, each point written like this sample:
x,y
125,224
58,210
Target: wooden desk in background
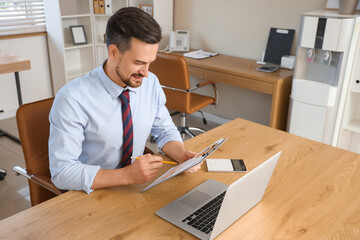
x,y
8,64
314,193
11,63
240,72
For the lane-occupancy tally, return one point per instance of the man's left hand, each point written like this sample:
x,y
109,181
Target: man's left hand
x,y
176,150
188,154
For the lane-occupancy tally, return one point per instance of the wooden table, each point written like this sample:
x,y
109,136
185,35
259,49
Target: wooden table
x,y
10,63
314,193
241,72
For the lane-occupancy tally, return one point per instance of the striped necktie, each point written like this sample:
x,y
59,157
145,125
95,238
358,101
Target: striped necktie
x,y
127,129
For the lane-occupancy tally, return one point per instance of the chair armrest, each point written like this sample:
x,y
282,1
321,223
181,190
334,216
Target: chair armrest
x,y
206,83
40,179
213,84
45,182
21,171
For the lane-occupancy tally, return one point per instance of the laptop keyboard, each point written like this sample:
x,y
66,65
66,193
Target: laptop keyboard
x,y
204,218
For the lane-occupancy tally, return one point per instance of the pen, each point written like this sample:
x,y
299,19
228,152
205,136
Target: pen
x,y
161,161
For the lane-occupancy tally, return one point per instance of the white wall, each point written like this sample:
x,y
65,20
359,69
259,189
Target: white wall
x,y
233,27
239,28
35,83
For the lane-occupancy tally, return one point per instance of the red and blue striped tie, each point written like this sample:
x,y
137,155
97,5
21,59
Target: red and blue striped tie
x,y
127,129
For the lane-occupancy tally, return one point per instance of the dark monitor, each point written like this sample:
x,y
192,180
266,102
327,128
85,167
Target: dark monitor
x,y
278,45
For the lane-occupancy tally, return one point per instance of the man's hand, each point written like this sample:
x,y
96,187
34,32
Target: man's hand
x,y
190,154
144,168
176,150
140,171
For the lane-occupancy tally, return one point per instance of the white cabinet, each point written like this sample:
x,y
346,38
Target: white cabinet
x,y
349,137
100,21
69,61
162,11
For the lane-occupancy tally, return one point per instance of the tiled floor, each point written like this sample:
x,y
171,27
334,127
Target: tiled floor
x,y
14,192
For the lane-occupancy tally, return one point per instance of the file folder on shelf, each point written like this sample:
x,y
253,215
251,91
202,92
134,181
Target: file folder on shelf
x,y
108,7
96,6
102,6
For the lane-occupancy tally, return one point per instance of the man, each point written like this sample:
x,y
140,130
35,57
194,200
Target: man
x,y
90,143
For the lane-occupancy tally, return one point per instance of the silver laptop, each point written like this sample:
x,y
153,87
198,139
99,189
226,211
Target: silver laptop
x,y
210,208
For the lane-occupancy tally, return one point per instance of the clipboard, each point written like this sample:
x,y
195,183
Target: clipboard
x,y
279,44
198,158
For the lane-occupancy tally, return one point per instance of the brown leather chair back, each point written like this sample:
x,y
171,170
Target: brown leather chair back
x,y
33,126
172,71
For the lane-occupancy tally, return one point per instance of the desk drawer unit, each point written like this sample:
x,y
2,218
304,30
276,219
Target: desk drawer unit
x,y
238,81
197,72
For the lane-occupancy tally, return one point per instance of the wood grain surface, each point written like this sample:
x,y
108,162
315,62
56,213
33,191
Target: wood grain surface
x,y
314,193
241,72
10,63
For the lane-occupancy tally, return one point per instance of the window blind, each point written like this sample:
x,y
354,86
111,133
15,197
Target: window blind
x,y
24,16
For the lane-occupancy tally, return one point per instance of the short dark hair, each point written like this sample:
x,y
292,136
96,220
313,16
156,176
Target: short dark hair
x,y
131,22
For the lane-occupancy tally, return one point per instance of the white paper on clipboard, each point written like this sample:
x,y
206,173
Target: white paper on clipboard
x,y
198,158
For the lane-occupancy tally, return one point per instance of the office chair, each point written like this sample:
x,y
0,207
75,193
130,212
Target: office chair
x,y
33,126
172,71
2,174
3,133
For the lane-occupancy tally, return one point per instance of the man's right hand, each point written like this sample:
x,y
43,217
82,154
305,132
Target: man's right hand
x,y
140,171
144,168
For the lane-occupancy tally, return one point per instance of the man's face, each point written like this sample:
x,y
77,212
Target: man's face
x,y
132,66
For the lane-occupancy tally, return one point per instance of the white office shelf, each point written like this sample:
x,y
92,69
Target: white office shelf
x,y
69,61
352,117
355,91
71,46
102,15
72,7
353,126
75,16
74,73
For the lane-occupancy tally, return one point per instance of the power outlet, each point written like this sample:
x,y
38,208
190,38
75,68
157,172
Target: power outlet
x,y
356,85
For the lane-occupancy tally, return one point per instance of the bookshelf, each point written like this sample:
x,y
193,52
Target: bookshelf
x,y
349,137
69,61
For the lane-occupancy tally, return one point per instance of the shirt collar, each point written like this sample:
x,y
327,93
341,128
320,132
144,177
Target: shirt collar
x,y
113,89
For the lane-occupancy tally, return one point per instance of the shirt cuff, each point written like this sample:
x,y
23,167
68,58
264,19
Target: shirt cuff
x,y
87,177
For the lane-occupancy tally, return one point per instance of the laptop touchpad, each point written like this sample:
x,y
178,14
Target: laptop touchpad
x,y
195,198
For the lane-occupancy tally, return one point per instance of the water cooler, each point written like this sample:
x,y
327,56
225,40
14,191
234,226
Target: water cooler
x,y
324,59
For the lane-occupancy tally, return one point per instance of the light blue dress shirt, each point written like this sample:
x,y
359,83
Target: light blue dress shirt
x,y
86,131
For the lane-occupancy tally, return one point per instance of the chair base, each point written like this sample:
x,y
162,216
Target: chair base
x,y
183,129
187,130
6,134
2,174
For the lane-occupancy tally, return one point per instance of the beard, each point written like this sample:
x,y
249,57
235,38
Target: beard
x,y
127,81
